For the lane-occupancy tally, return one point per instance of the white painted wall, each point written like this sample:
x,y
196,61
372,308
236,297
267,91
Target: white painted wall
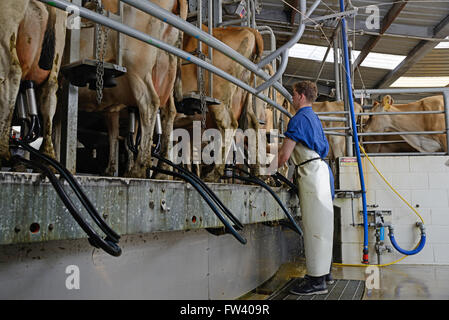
x,y
424,182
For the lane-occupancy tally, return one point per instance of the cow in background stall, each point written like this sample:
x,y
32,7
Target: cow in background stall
x,y
148,84
414,122
32,40
248,42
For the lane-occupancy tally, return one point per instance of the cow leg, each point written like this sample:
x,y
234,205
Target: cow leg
x,y
168,115
148,103
11,14
112,121
224,119
48,97
253,123
48,109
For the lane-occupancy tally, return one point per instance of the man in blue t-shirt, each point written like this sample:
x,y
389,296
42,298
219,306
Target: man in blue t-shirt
x,y
306,145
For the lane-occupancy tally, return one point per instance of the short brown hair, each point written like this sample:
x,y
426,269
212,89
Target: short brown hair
x,y
308,88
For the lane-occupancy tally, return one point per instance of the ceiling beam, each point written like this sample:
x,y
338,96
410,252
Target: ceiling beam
x,y
388,20
416,54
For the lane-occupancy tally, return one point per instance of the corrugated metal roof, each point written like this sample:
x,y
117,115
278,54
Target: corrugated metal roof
x,y
417,19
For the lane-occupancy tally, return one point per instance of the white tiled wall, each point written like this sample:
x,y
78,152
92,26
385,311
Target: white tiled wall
x,y
424,182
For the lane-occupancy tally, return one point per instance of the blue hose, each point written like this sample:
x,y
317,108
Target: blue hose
x,y
422,242
356,138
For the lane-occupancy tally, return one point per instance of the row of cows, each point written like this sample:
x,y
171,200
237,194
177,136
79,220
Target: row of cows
x,y
32,41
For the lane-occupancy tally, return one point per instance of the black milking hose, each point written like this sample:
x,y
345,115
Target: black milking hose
x,y
283,179
206,198
76,188
106,244
214,197
259,182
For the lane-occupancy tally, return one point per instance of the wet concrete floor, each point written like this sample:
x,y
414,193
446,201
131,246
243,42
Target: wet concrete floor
x,y
395,282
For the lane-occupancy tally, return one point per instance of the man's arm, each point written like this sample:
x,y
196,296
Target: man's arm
x,y
283,155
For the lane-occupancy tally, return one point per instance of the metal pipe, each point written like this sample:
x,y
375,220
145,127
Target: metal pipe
x,y
323,62
354,129
253,14
336,66
88,14
402,133
200,74
332,112
446,117
296,37
277,75
339,128
210,24
168,17
405,154
395,113
336,119
358,92
384,142
248,13
333,133
283,51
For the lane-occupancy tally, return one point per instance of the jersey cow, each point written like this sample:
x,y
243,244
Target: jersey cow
x,y
32,39
337,144
148,83
416,122
248,42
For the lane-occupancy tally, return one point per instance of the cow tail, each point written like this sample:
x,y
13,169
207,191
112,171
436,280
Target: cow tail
x,y
183,8
259,46
49,42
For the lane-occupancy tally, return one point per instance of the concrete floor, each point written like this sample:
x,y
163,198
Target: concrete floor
x,y
396,282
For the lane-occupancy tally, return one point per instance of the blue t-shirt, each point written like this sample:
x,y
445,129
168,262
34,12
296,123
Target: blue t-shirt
x,y
305,127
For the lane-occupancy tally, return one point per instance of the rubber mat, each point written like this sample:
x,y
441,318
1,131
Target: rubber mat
x,y
339,290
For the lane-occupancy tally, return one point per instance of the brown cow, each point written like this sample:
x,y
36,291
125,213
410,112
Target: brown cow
x,y
403,123
148,83
32,40
248,42
337,144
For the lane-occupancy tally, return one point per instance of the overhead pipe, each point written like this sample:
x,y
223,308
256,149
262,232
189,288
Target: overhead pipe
x,y
365,255
284,50
296,37
97,18
170,18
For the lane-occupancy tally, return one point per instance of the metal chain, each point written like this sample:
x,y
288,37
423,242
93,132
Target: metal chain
x,y
201,90
100,53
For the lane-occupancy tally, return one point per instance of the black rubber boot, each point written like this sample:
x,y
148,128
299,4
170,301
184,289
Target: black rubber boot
x,y
310,286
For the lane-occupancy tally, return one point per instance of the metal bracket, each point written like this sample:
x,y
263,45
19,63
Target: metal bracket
x,y
348,194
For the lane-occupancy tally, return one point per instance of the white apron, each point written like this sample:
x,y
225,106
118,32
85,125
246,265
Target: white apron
x,y
315,200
